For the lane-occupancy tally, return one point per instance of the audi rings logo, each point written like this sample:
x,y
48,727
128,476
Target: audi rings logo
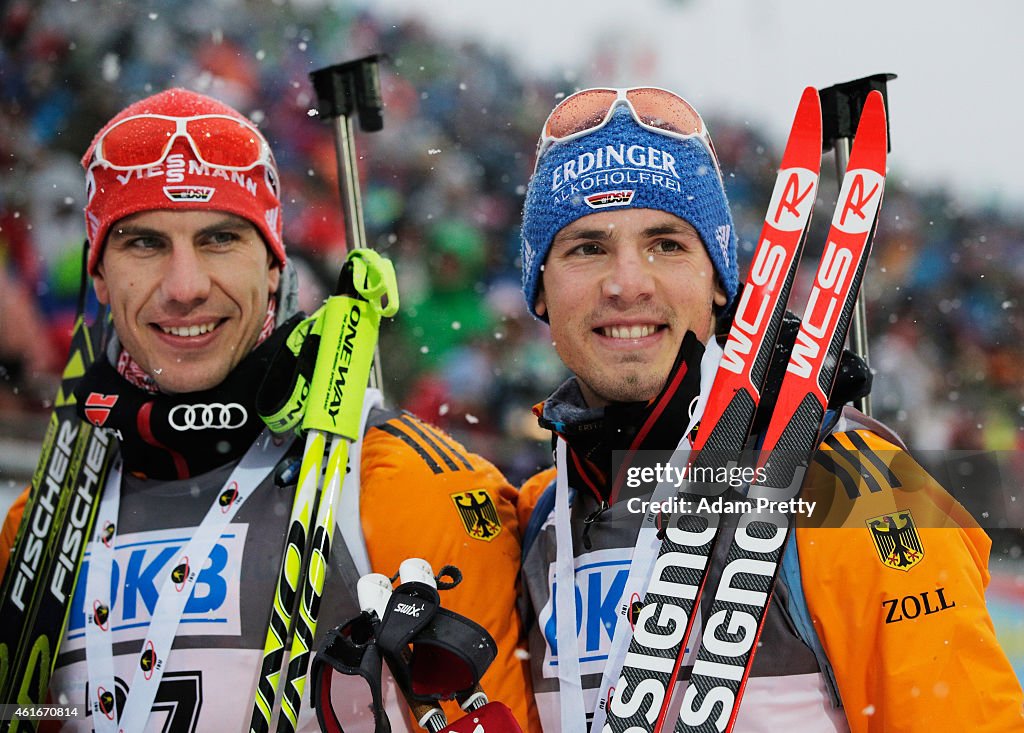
x,y
215,415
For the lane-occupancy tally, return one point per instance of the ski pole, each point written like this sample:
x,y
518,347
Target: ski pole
x,y
347,326
841,107
429,717
419,570
348,350
373,591
342,90
348,341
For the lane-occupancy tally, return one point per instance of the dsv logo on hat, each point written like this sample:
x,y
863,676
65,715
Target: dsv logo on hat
x,y
215,415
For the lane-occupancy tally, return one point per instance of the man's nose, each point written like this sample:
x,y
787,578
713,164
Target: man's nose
x,y
185,279
630,277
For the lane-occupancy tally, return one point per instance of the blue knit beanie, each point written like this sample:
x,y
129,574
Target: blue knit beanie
x,y
624,165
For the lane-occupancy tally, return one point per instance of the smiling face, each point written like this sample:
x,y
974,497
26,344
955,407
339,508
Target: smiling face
x,y
188,293
621,289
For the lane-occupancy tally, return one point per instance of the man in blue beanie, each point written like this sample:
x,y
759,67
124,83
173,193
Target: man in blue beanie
x,y
629,254
625,183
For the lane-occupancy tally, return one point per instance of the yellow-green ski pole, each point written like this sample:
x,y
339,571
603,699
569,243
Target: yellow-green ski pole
x,y
347,326
347,341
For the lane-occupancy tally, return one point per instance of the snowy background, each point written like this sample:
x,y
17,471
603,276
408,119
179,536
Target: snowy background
x,y
467,87
955,111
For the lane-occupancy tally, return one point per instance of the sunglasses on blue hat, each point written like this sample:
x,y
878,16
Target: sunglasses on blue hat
x,y
655,109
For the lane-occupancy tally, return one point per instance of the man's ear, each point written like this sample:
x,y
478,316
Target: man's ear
x,y
99,284
720,298
540,307
274,276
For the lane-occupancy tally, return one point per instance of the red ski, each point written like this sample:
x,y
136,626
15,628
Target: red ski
x,y
652,662
752,563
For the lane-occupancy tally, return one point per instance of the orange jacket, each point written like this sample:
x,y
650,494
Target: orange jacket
x,y
895,581
9,531
423,495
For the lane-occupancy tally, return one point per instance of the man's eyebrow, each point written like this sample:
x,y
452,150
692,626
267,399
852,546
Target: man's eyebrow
x,y
134,230
228,222
670,228
573,235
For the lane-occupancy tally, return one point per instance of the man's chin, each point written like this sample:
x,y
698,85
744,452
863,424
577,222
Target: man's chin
x,y
185,381
636,385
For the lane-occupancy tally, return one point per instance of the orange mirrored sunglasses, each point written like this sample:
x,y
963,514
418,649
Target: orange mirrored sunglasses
x,y
658,110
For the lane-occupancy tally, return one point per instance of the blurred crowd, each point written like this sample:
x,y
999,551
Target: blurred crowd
x,y
443,185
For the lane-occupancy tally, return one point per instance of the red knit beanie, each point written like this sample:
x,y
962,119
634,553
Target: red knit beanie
x,y
180,180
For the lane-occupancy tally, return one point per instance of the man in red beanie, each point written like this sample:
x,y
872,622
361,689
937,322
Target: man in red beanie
x,y
184,225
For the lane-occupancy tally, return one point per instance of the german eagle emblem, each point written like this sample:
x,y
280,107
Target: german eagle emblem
x,y
896,540
478,513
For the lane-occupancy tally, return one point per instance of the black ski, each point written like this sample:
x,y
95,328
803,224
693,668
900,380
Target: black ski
x,y
39,582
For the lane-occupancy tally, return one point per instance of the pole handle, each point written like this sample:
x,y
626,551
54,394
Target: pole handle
x,y
353,86
843,103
